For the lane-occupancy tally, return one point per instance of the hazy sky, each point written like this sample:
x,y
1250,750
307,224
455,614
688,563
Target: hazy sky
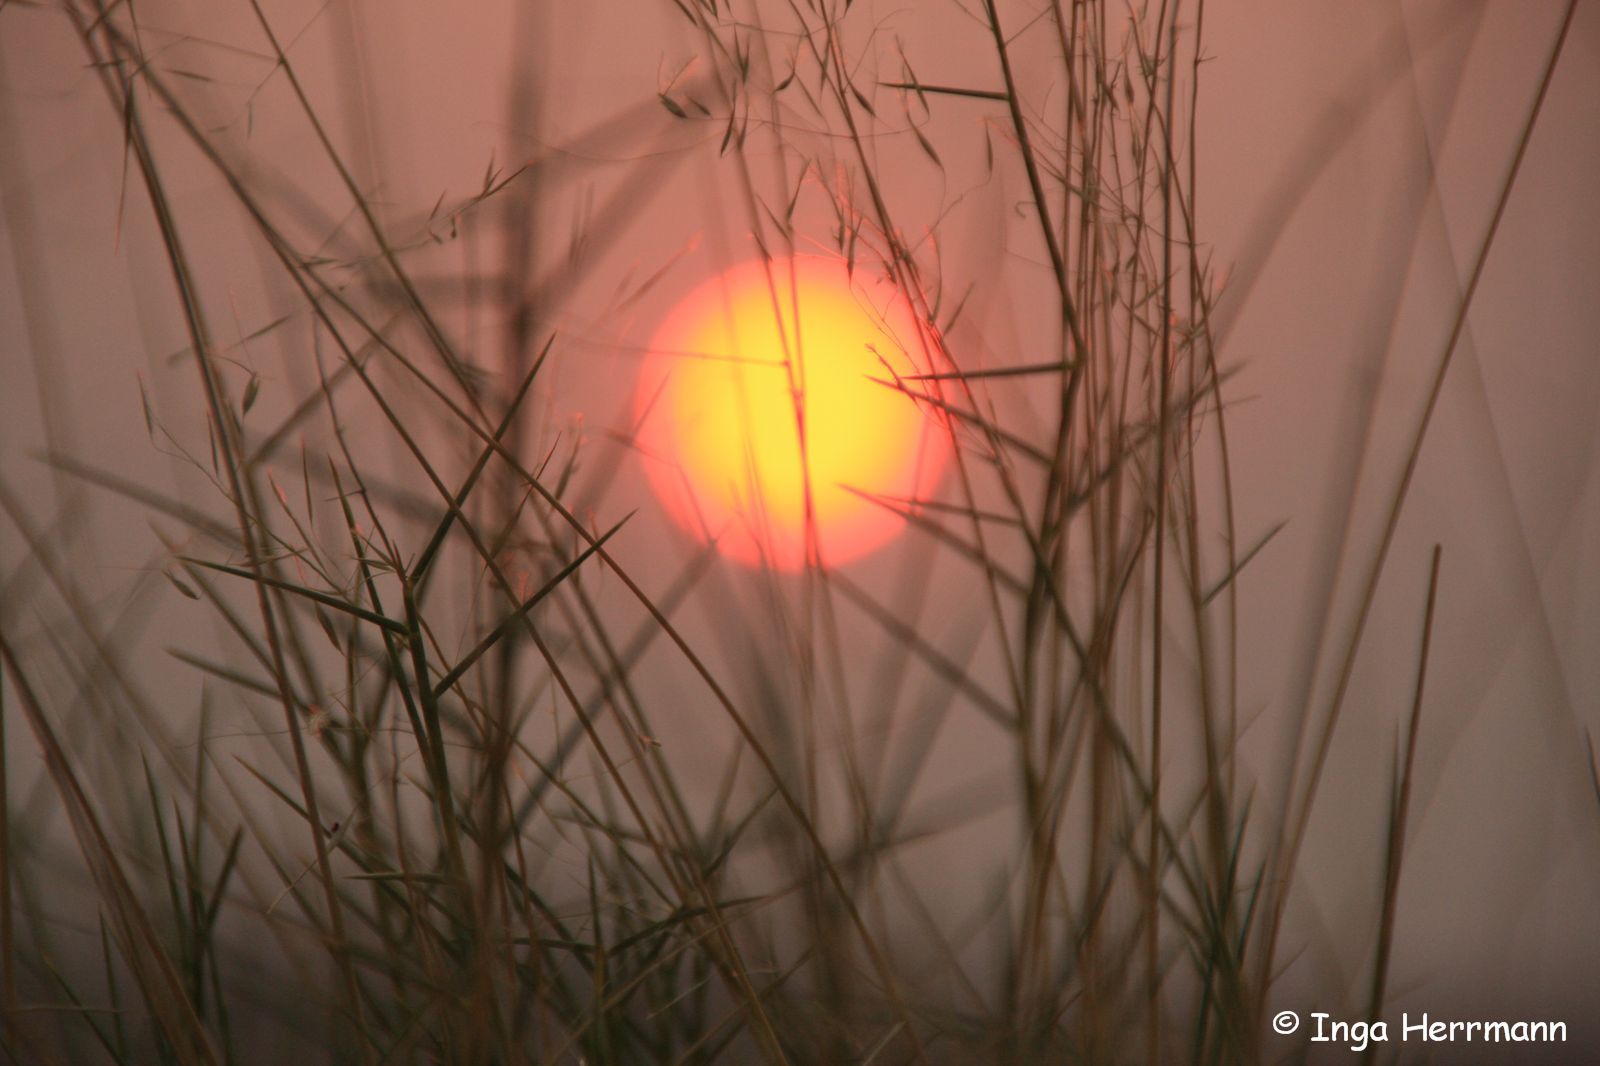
x,y
1350,158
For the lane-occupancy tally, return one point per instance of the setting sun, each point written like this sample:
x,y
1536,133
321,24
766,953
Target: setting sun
x,y
735,379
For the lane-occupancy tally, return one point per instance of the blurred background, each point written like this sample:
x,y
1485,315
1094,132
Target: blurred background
x,y
564,171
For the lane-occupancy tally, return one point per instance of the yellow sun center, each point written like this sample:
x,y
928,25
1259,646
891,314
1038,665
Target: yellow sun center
x,y
760,385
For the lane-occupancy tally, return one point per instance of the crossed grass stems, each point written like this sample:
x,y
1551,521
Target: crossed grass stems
x,y
1139,918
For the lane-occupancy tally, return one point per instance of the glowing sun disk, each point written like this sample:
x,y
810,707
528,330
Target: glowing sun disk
x,y
759,384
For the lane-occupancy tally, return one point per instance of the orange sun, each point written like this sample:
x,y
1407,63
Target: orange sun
x,y
748,363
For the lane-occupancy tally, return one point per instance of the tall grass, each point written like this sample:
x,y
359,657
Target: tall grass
x,y
485,767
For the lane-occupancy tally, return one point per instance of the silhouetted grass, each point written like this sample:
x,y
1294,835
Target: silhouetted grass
x,y
467,814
